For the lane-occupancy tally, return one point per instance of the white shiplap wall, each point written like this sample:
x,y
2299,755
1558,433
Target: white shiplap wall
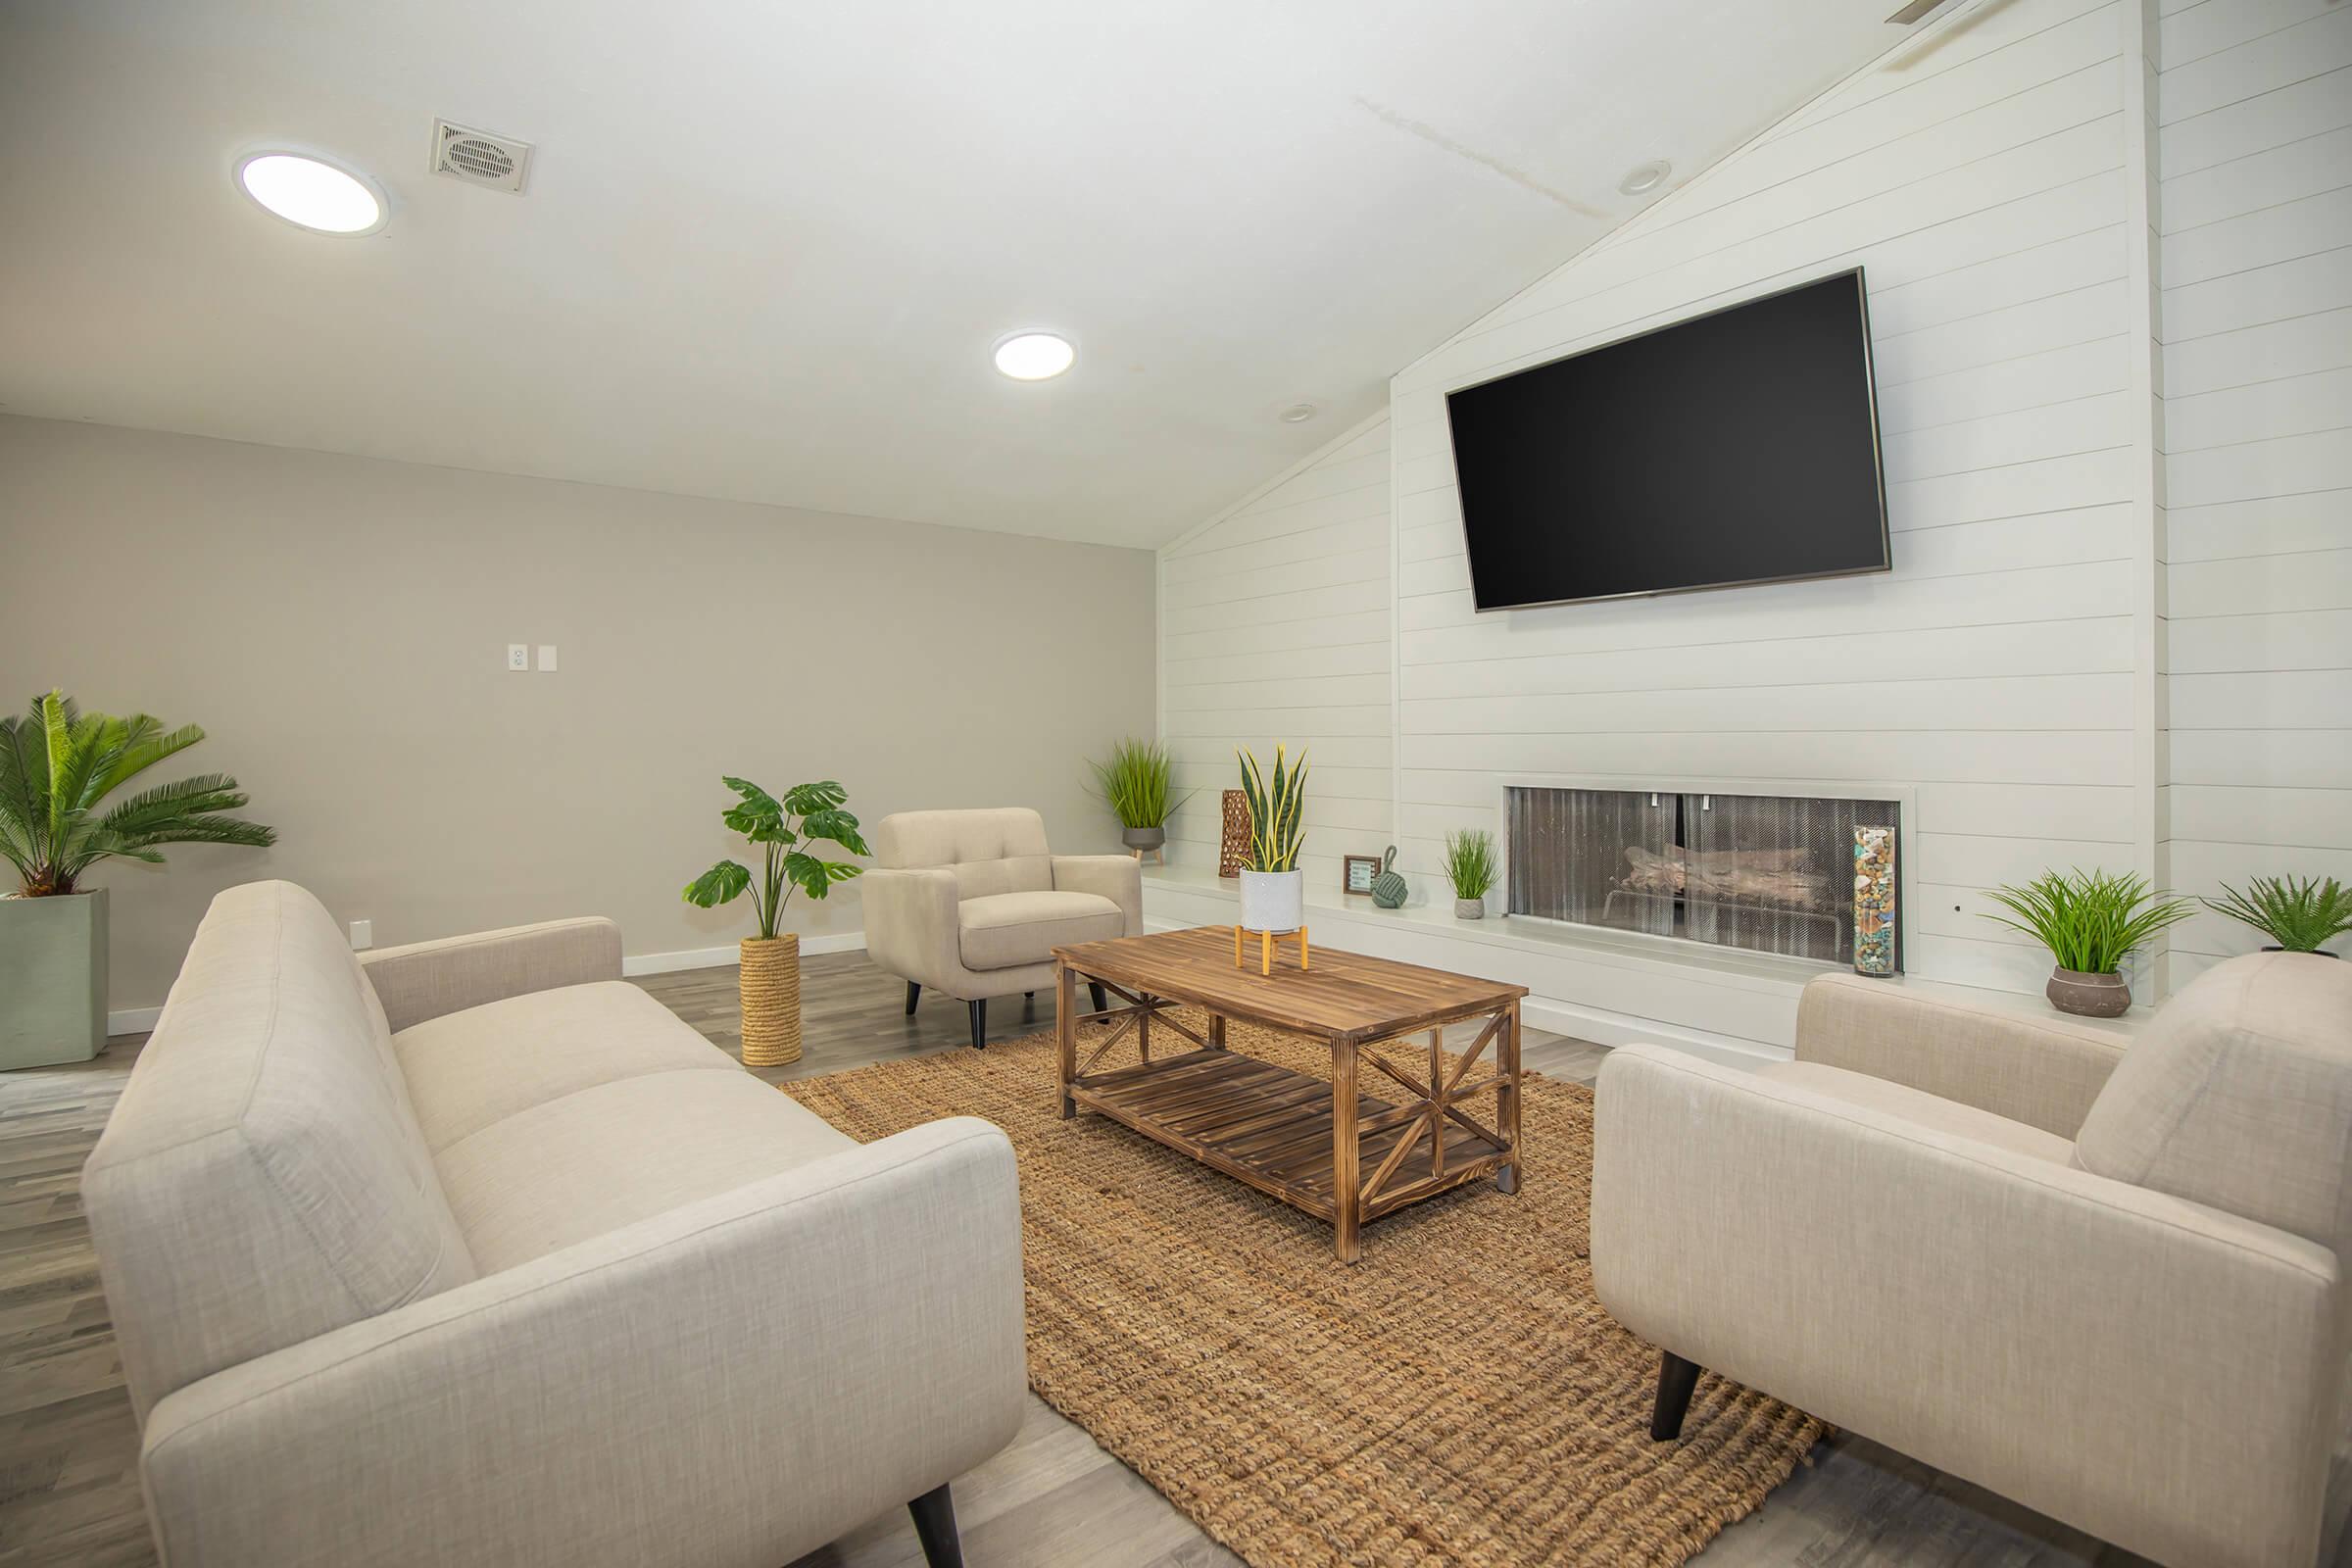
x,y
2255,155
1275,626
1980,175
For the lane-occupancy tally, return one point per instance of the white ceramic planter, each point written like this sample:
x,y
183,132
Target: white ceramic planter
x,y
1470,908
1273,900
52,979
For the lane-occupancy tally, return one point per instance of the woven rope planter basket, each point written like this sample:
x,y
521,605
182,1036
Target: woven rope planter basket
x,y
771,1000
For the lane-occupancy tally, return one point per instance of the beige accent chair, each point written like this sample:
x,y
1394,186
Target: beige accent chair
x,y
2106,1283
471,1254
973,904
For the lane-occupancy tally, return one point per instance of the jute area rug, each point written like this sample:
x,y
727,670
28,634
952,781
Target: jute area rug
x,y
1457,1397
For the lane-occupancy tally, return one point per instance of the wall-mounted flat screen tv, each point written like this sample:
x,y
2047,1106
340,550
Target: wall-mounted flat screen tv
x,y
1737,447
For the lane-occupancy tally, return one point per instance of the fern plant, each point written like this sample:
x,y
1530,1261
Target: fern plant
x,y
785,830
1136,782
1470,862
57,764
2298,913
1277,812
2090,920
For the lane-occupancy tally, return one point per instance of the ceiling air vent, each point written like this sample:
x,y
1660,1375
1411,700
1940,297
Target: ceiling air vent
x,y
479,158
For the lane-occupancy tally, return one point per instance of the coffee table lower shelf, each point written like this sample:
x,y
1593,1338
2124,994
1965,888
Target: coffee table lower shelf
x,y
1271,1127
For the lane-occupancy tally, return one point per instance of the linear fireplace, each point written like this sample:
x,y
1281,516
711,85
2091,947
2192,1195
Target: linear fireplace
x,y
1770,873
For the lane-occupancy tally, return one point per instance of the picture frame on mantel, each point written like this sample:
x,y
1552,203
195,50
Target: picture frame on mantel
x,y
1356,872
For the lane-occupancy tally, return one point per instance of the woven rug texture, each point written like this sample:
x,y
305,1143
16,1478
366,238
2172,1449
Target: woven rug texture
x,y
1457,1397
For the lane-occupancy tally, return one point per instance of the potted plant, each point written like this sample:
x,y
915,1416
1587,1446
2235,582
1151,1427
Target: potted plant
x,y
785,830
1136,783
57,764
1470,867
1273,887
2090,920
2297,913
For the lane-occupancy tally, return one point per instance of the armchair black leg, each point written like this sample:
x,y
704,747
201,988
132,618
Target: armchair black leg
x,y
1028,996
935,1526
1095,989
979,1011
1676,1378
914,989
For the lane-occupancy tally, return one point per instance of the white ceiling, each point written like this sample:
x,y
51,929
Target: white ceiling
x,y
767,247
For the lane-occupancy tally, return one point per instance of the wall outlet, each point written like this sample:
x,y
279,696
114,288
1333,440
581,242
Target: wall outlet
x,y
519,656
363,935
546,656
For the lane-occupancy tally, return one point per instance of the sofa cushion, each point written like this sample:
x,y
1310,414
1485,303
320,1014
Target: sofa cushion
x,y
1917,1106
605,1156
1007,929
468,1069
991,851
2240,1097
262,1181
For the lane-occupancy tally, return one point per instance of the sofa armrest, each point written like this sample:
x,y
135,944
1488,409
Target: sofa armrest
x,y
1116,877
2042,1071
910,925
737,1381
426,979
2075,1342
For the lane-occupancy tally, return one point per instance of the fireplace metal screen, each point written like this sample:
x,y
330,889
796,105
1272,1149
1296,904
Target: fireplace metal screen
x,y
1770,874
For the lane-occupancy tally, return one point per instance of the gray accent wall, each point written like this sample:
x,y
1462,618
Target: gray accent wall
x,y
340,626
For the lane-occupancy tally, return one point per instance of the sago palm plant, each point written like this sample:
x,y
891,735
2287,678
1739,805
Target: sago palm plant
x,y
1137,784
57,767
1277,812
2296,912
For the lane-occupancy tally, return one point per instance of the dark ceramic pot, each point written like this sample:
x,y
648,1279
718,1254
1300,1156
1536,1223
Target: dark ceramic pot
x,y
2088,996
1143,838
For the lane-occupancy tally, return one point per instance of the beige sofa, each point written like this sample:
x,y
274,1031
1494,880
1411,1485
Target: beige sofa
x,y
471,1254
973,904
2106,1283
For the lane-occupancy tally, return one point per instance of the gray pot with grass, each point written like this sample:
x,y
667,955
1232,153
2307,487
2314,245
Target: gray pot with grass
x,y
57,765
1470,867
1136,784
2091,921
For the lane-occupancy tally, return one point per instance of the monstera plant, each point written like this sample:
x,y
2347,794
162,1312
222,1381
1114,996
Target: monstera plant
x,y
787,832
59,767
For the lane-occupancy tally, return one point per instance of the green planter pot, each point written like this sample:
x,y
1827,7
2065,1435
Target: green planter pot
x,y
52,979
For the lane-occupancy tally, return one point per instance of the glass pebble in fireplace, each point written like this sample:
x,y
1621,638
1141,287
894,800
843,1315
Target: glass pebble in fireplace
x,y
1770,874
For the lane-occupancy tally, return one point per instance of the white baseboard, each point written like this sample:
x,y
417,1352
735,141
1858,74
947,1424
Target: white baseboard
x,y
719,958
132,1020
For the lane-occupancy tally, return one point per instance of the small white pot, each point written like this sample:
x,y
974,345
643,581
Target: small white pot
x,y
1470,908
1273,900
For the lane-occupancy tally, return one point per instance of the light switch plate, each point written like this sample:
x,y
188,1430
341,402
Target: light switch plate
x,y
363,935
547,656
519,656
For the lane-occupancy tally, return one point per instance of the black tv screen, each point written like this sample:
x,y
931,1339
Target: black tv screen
x,y
1737,447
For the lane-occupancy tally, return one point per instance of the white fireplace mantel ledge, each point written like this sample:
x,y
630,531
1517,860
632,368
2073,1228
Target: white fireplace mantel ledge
x,y
1331,913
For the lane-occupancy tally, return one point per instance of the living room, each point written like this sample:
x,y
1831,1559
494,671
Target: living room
x,y
1737,618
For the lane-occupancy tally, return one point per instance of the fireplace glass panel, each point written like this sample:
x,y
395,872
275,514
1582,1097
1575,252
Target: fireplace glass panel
x,y
1765,873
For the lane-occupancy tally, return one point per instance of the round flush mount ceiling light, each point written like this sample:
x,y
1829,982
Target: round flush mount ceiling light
x,y
1644,178
1296,414
1034,356
313,192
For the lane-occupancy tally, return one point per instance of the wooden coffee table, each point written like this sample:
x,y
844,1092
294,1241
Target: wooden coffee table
x,y
1290,1135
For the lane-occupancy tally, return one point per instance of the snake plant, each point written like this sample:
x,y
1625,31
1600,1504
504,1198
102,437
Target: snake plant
x,y
1276,811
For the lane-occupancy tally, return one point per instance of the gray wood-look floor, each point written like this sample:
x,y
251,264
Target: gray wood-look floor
x,y
68,1485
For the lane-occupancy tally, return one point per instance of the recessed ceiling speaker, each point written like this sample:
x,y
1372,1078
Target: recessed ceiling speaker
x,y
479,158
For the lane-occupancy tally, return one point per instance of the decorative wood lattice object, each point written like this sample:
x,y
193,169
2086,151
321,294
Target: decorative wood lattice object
x,y
1234,839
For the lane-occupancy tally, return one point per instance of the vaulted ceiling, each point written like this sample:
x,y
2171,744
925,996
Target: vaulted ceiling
x,y
766,249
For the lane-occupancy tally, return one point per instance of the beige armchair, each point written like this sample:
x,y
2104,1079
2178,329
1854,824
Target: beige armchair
x,y
2106,1283
973,904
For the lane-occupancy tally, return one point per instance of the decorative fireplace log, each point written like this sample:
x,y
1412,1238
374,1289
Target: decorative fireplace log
x,y
1776,878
